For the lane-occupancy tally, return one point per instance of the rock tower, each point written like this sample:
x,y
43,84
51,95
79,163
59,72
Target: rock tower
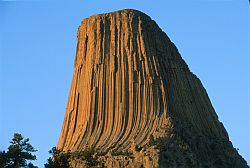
x,y
135,101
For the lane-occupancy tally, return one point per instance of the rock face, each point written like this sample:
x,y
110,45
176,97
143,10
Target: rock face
x,y
134,99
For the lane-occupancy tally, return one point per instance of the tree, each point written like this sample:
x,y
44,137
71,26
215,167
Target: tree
x,y
30,165
58,160
88,156
61,159
3,159
19,151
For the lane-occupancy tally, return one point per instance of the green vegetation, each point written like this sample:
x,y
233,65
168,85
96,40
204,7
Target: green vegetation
x,y
18,153
3,159
59,159
88,155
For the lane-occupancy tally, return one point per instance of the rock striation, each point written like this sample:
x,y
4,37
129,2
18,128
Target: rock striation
x,y
134,99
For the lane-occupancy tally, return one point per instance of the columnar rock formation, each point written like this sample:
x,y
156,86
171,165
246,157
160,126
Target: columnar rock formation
x,y
131,91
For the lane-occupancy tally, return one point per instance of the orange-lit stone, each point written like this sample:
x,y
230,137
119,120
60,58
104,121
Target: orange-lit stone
x,y
131,88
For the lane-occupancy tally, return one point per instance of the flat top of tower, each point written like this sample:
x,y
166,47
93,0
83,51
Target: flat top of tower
x,y
122,11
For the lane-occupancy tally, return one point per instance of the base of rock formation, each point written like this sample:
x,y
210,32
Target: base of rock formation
x,y
171,152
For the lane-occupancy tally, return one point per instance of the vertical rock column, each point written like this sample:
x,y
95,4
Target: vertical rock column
x,y
130,84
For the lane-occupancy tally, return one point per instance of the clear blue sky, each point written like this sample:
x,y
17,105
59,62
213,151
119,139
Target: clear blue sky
x,y
37,50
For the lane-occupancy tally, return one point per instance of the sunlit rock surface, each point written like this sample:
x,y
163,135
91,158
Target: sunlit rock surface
x,y
134,99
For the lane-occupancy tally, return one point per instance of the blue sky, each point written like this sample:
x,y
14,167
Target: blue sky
x,y
37,50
